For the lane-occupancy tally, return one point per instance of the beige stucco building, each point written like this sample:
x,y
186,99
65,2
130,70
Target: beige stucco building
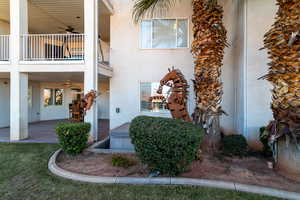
x,y
49,52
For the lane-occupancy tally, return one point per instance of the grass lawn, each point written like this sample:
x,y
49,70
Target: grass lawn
x,y
24,175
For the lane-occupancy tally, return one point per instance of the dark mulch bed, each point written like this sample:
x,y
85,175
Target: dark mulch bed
x,y
249,170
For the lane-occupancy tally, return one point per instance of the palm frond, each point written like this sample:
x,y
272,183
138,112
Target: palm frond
x,y
148,8
211,3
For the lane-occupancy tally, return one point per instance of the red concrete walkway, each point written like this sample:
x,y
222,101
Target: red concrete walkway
x,y
44,131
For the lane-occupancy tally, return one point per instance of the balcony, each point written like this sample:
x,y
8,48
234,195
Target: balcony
x,y
4,48
57,47
54,34
52,47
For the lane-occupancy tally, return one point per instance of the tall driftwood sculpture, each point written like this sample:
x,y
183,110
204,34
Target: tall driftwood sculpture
x,y
210,40
283,44
89,98
177,101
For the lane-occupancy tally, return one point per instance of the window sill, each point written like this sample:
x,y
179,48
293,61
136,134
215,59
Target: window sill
x,y
164,49
53,106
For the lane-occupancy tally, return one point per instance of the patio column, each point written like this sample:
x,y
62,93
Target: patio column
x,y
91,56
18,80
18,106
18,26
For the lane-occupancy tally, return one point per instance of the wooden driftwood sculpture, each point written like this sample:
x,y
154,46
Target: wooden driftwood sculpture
x,y
177,101
78,109
89,99
283,45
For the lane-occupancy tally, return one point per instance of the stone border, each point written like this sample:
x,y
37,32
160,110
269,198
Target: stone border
x,y
52,166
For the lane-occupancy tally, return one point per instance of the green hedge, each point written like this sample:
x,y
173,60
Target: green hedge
x,y
235,145
73,137
165,145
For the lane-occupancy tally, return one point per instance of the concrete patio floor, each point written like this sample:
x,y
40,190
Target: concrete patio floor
x,y
44,131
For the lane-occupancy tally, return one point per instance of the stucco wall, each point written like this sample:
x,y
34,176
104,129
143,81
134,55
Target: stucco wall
x,y
4,28
34,107
106,51
103,103
133,65
53,112
4,105
229,77
239,62
260,17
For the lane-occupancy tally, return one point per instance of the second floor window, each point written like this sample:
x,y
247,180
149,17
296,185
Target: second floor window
x,y
164,33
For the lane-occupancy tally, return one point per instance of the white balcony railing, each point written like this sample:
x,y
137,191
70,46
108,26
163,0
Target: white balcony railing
x,y
4,47
52,47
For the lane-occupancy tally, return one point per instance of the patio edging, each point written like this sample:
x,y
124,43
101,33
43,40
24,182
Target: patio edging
x,y
55,169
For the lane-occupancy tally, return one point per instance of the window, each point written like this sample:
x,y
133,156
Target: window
x,y
53,97
164,33
150,100
58,96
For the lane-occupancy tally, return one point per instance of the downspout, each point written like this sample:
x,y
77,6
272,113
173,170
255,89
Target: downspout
x,y
245,77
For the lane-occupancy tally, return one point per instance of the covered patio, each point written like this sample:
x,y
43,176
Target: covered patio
x,y
44,131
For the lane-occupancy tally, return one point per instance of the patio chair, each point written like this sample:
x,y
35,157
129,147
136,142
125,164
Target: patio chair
x,y
76,113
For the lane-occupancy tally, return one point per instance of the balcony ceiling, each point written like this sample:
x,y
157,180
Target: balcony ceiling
x,y
4,10
56,77
53,16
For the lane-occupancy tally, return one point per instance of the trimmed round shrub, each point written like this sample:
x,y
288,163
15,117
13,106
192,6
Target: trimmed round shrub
x,y
165,145
235,145
73,137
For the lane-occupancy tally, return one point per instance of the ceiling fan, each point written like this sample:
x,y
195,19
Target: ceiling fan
x,y
69,29
68,84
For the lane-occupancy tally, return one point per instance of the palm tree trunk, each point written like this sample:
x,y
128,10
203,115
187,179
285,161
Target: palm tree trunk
x,y
210,40
283,44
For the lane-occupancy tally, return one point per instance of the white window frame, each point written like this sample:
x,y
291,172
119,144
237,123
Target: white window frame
x,y
165,113
174,48
53,100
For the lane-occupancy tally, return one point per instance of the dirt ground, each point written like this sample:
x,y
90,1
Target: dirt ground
x,y
250,170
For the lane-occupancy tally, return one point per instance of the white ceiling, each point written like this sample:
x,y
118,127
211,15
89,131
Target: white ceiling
x,y
57,77
53,16
4,10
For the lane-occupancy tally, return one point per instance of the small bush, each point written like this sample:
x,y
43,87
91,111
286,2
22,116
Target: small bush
x,y
165,145
263,137
118,160
73,137
234,145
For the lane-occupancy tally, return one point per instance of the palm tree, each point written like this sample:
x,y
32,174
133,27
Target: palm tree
x,y
210,40
283,44
144,8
